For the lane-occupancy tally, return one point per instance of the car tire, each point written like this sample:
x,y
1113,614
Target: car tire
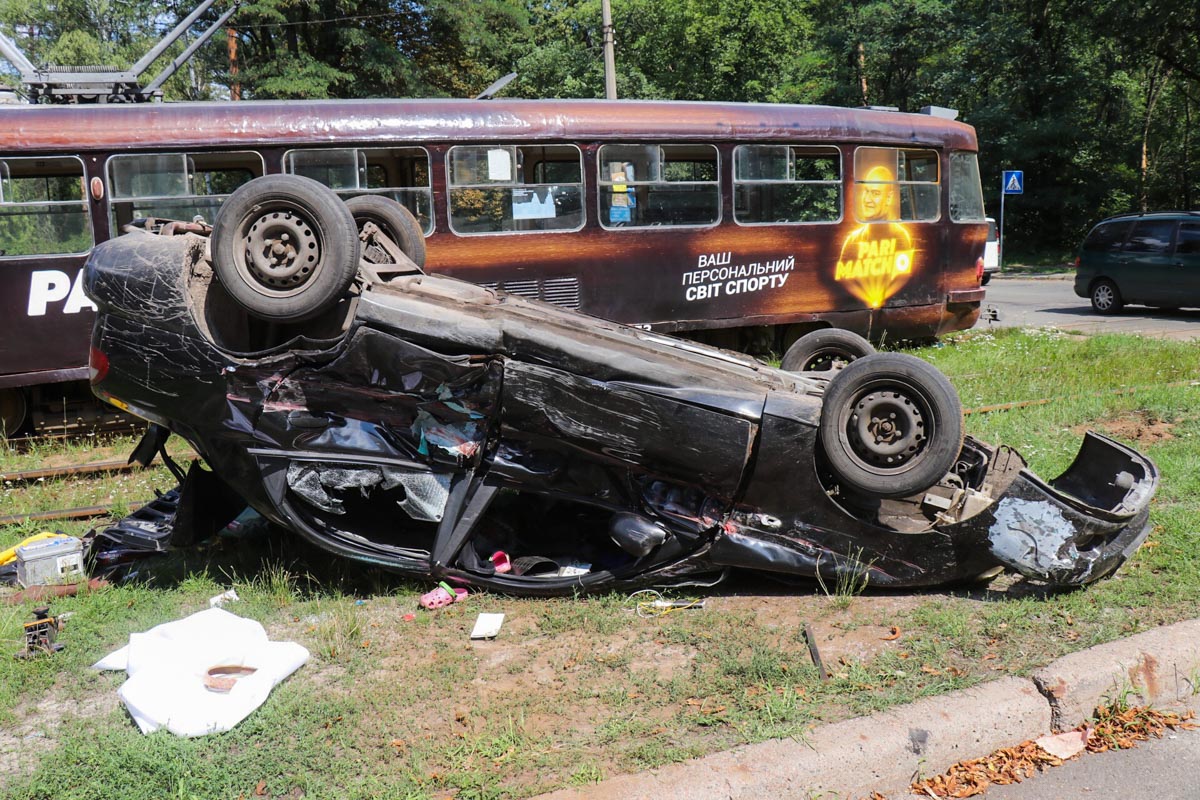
x,y
826,349
986,279
394,221
1106,297
891,425
285,247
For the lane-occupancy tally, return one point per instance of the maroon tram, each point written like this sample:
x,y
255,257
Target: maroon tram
x,y
745,225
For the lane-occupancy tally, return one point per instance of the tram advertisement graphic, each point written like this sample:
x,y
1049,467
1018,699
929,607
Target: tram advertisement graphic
x,y
877,257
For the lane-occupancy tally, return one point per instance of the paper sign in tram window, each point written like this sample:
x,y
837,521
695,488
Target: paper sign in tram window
x,y
533,204
499,165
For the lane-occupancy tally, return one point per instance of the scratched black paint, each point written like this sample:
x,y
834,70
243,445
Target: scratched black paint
x,y
447,420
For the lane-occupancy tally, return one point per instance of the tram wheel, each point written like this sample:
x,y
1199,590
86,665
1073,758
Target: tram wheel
x,y
394,226
14,412
285,247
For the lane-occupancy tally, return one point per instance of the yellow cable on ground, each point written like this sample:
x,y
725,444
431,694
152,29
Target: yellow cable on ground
x,y
11,553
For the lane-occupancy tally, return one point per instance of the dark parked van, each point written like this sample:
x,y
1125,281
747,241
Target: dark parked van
x,y
1147,259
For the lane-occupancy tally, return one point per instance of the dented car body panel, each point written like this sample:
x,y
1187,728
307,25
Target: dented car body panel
x,y
432,423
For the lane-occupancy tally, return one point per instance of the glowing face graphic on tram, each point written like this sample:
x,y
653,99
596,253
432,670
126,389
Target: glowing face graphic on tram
x,y
877,256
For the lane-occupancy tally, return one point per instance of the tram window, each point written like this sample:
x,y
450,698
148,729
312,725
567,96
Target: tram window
x,y
401,173
896,185
966,191
515,189
176,185
651,184
786,184
42,207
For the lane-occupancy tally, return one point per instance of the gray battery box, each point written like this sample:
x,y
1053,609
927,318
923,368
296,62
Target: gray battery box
x,y
50,561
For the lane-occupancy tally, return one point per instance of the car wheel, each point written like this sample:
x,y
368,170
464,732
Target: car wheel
x,y
285,247
1106,298
394,225
891,425
986,279
826,349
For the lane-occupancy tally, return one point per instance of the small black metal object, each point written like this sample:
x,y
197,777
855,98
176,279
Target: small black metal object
x,y
812,651
40,634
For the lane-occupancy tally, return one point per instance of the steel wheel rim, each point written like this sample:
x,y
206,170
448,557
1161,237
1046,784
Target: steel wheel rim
x,y
886,428
1103,295
281,252
826,359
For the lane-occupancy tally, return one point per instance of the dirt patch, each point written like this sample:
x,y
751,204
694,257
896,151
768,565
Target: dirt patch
x,y
845,644
1136,427
34,732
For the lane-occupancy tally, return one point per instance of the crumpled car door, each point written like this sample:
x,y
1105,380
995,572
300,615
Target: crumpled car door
x,y
367,444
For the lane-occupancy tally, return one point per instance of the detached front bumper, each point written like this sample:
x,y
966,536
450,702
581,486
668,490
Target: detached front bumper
x,y
1081,526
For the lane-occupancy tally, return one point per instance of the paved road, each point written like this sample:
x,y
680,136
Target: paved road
x,y
1160,769
1038,302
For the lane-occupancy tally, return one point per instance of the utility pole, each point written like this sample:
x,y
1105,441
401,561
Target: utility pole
x,y
610,60
235,86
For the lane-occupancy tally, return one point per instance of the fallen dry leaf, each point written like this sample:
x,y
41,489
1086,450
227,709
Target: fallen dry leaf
x,y
1115,727
1005,766
1123,727
1065,745
260,789
893,636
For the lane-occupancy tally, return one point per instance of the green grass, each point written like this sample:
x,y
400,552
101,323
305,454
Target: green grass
x,y
1019,261
577,690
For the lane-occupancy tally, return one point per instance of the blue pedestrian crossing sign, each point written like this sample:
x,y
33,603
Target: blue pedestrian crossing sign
x,y
1014,181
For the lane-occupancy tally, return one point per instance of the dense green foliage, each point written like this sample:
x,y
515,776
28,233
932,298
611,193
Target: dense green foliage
x,y
1095,101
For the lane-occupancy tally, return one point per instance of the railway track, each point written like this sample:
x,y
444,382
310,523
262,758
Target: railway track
x,y
50,473
70,471
83,512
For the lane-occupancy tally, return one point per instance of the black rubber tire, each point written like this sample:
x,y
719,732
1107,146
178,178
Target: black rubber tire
x,y
1106,297
395,221
826,349
986,279
300,282
899,398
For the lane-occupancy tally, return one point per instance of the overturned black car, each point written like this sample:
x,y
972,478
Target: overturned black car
x,y
443,429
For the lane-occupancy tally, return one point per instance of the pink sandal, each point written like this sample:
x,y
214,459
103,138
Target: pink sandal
x,y
443,595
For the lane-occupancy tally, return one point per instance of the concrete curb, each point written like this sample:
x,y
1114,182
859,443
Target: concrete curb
x,y
1156,668
884,752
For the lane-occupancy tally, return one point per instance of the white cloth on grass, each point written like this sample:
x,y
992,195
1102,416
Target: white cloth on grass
x,y
167,666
